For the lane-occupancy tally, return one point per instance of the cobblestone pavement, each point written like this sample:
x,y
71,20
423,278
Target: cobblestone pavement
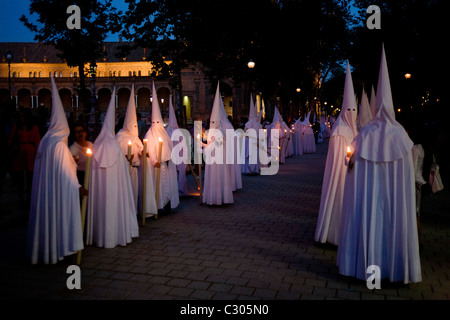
x,y
261,247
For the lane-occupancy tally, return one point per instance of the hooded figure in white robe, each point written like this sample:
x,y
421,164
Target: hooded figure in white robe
x,y
218,187
298,129
111,212
276,125
181,168
379,213
235,162
251,144
308,139
365,112
54,227
344,131
167,189
130,133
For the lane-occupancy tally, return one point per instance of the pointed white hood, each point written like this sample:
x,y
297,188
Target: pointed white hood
x,y
345,125
253,117
58,122
157,131
383,139
130,122
129,131
59,127
365,113
215,118
173,124
106,149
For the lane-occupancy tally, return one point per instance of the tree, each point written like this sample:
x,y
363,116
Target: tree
x,y
293,43
77,47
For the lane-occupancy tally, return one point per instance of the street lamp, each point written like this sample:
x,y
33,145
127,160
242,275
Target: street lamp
x,y
251,64
407,75
9,58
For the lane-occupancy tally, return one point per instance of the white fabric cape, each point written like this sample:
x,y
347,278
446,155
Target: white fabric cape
x,y
111,213
54,227
379,224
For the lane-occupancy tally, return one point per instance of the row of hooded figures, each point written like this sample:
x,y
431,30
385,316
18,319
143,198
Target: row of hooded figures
x,y
122,178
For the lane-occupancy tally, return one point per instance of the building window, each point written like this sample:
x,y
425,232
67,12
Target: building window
x,y
55,74
31,74
20,74
75,74
130,73
60,75
139,73
40,74
71,74
34,74
120,73
110,73
14,74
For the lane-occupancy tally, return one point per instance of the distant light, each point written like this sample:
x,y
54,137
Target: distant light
x,y
251,64
298,89
162,100
399,110
407,75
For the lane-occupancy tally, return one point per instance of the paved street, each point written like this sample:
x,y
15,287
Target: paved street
x,y
261,247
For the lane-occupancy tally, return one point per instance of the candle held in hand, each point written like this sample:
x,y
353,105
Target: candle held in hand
x,y
129,150
349,152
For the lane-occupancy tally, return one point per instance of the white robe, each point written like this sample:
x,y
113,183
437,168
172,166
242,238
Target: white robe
x,y
218,187
379,222
308,140
136,151
329,219
168,183
112,211
251,144
54,229
298,146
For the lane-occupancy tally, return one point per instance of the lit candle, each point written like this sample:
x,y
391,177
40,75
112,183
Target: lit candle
x,y
144,181
158,174
88,168
129,150
349,152
200,172
87,173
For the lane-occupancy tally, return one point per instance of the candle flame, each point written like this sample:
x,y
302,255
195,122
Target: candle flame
x,y
198,136
145,140
160,140
129,142
88,151
348,149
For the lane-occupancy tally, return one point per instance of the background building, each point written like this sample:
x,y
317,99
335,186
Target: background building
x,y
33,63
